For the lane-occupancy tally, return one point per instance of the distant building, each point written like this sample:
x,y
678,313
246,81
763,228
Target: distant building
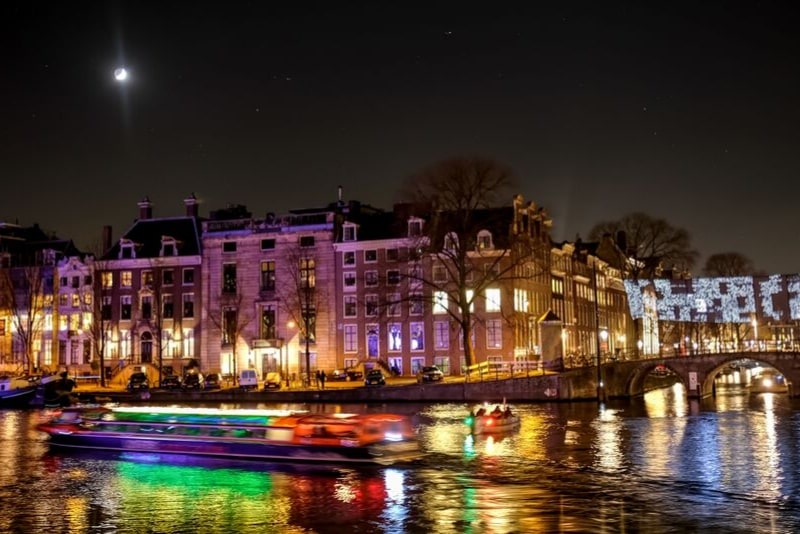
x,y
28,262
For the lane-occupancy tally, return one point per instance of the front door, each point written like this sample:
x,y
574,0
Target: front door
x,y
147,347
372,341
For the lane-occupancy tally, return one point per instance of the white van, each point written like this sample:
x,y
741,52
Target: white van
x,y
248,379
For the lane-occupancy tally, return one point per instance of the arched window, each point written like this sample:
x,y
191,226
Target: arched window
x,y
451,242
485,240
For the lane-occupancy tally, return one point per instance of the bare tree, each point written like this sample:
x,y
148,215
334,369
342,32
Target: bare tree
x,y
22,291
650,244
728,264
99,305
230,318
458,199
299,295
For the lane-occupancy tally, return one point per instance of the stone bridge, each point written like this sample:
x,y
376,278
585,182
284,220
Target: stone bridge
x,y
696,372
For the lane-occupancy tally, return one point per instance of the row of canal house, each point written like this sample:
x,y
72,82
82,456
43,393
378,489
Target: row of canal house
x,y
332,288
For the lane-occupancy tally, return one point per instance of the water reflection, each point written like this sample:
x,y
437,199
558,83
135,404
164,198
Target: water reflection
x,y
659,464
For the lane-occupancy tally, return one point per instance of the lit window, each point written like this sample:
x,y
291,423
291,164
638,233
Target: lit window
x,y
125,279
395,337
417,336
485,240
439,302
492,299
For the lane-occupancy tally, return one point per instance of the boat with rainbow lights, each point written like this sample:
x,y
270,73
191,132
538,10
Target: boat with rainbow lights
x,y
244,434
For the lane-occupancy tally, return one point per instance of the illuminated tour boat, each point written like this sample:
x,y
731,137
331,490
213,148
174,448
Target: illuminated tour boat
x,y
501,419
244,434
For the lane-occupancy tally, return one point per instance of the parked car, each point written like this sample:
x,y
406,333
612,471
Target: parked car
x,y
192,380
348,374
170,382
430,374
272,381
375,378
248,379
212,381
138,381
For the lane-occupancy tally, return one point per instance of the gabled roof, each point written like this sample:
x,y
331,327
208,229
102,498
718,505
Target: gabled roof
x,y
147,234
24,244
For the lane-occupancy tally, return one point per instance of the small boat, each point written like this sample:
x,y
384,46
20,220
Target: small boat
x,y
498,421
243,434
768,382
17,392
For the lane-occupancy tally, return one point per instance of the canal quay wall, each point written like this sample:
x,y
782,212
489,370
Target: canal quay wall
x,y
567,386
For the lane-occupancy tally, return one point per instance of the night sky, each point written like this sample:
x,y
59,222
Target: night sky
x,y
686,111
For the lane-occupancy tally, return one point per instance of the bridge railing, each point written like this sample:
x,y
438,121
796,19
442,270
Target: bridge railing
x,y
496,369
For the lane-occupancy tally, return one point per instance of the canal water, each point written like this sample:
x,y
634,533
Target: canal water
x,y
658,464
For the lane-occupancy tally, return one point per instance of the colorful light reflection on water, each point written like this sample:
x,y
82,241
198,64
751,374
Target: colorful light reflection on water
x,y
569,468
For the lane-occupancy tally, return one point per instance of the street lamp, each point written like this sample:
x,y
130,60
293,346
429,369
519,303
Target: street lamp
x,y
755,334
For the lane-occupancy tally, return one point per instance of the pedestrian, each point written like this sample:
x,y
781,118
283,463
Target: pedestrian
x,y
322,378
316,377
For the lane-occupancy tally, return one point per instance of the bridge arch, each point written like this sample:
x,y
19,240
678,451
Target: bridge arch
x,y
636,382
696,372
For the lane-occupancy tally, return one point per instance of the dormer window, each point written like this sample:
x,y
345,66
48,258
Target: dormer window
x,y
168,246
485,240
414,227
126,250
49,256
451,242
349,232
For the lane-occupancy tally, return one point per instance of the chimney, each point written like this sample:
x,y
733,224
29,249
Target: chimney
x,y
191,205
106,243
145,209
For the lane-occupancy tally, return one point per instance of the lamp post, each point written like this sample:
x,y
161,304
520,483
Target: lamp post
x,y
755,334
597,326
